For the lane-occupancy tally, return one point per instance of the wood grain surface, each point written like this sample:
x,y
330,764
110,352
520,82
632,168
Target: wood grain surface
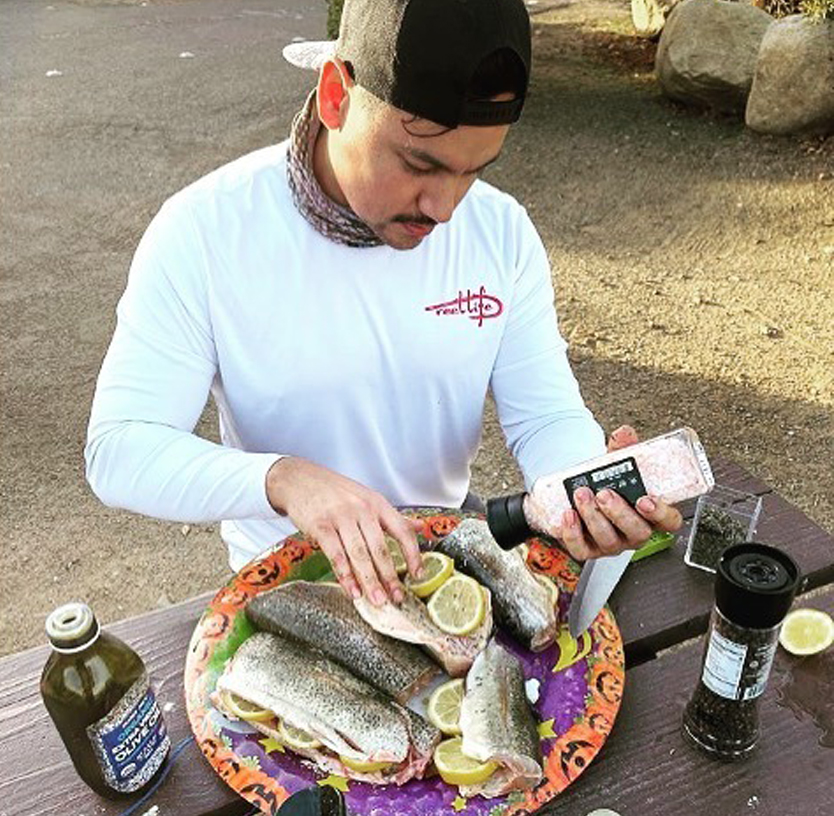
x,y
648,769
36,775
645,768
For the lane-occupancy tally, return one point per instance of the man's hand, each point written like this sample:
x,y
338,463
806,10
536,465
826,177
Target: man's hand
x,y
611,525
348,522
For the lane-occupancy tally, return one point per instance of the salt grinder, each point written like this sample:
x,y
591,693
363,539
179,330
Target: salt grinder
x,y
754,588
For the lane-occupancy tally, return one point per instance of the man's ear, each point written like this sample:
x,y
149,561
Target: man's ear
x,y
332,93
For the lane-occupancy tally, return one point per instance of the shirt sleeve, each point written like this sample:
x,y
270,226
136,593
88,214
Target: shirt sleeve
x,y
141,452
544,418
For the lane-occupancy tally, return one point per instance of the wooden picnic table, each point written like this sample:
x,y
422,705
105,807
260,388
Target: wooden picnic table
x,y
644,769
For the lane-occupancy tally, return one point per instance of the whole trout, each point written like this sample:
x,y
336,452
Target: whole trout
x,y
522,605
322,616
350,718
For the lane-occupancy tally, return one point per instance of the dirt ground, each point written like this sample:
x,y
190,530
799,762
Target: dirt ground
x,y
694,268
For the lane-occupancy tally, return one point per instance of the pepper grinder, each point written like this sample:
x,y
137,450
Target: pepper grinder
x,y
754,588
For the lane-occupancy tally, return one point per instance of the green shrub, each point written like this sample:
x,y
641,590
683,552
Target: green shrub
x,y
334,14
816,10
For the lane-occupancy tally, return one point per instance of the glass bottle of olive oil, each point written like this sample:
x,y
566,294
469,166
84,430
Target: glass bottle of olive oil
x,y
96,689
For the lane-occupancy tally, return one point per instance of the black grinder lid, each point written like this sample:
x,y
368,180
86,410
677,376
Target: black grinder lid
x,y
755,585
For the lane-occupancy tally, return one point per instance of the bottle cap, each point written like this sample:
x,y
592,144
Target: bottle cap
x,y
755,585
506,520
71,627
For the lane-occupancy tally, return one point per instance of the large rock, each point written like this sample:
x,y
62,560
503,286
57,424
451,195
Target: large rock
x,y
793,86
707,53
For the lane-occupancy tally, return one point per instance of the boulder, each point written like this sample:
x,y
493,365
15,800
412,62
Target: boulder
x,y
793,86
707,53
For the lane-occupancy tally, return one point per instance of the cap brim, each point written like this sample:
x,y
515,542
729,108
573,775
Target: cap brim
x,y
310,55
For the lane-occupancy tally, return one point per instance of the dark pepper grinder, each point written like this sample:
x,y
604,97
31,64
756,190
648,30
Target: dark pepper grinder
x,y
506,520
754,588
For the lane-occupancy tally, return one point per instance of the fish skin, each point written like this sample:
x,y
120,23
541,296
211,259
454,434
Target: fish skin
x,y
498,725
410,621
322,616
316,694
522,605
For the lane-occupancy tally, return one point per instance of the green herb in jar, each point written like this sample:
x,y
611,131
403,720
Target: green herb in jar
x,y
717,529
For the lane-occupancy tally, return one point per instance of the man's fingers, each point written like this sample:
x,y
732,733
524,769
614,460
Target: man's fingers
x,y
600,529
331,546
363,568
630,525
382,560
624,436
573,537
405,531
664,516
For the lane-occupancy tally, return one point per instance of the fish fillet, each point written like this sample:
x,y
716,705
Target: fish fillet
x,y
498,725
410,622
522,605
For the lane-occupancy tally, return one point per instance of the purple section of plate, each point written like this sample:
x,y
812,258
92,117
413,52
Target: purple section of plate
x,y
561,698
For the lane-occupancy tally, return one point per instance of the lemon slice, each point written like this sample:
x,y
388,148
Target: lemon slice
x,y
550,585
361,766
443,709
397,556
294,737
807,631
459,606
455,768
244,709
437,567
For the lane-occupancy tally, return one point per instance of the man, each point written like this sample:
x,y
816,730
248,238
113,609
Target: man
x,y
348,297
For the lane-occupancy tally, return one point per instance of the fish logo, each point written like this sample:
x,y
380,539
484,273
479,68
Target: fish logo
x,y
478,306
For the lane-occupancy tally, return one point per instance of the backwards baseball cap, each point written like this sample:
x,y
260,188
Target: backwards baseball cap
x,y
421,55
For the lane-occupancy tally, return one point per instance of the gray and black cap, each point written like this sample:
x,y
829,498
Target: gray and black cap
x,y
421,55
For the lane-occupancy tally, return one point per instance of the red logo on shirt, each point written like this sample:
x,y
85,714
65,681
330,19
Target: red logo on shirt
x,y
475,305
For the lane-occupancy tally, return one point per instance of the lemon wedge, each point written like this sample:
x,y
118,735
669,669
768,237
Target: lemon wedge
x,y
807,631
550,585
458,607
396,555
294,737
443,709
455,768
361,766
437,567
244,709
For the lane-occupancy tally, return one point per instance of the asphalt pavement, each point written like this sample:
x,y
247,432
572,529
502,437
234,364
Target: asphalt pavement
x,y
106,109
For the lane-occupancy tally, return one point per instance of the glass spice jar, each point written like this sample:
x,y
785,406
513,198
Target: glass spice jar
x,y
723,517
754,588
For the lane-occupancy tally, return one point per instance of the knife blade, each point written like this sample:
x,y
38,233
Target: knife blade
x,y
596,583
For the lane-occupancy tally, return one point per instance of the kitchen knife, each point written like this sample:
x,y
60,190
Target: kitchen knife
x,y
596,583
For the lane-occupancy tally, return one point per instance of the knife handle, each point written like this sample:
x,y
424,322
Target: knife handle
x,y
506,520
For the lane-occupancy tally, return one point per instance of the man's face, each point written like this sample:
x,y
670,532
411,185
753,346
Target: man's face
x,y
403,177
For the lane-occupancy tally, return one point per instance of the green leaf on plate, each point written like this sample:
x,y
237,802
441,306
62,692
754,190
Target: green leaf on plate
x,y
315,567
241,629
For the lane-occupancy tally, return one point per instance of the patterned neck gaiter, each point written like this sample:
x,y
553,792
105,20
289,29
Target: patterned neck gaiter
x,y
332,220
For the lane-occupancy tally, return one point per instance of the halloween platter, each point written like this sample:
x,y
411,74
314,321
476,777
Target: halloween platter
x,y
574,688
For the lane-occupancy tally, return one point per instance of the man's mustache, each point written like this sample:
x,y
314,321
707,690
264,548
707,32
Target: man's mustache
x,y
423,220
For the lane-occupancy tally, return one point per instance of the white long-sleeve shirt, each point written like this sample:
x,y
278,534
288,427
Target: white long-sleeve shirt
x,y
373,362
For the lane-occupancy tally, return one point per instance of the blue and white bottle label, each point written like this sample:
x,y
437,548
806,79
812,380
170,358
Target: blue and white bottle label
x,y
131,741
